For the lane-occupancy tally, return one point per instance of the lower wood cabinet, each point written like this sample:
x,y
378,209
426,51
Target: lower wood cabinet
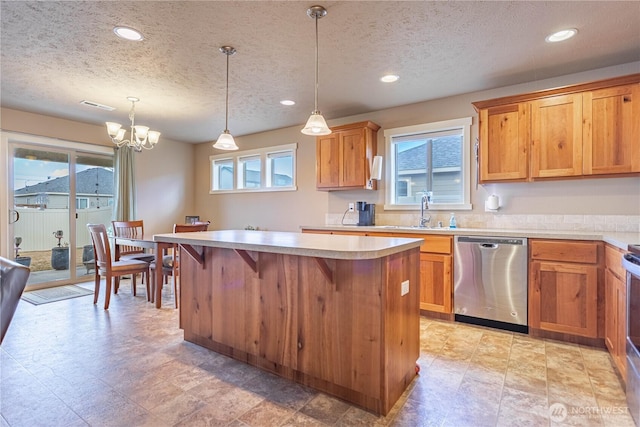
x,y
435,282
615,330
436,267
564,287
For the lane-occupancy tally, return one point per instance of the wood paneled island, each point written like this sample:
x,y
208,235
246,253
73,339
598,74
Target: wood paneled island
x,y
336,313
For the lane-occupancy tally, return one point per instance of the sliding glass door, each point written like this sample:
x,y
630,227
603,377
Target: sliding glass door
x,y
54,192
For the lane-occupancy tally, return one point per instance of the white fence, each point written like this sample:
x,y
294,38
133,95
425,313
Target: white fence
x,y
37,227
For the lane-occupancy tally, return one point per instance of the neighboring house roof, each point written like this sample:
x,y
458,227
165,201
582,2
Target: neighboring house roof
x,y
446,154
85,183
254,176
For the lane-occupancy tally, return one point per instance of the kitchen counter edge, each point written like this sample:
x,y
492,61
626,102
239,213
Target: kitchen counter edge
x,y
620,240
293,243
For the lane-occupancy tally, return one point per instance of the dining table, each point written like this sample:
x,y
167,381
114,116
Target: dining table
x,y
147,242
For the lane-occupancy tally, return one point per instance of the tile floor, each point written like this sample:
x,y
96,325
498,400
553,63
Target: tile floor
x,y
71,363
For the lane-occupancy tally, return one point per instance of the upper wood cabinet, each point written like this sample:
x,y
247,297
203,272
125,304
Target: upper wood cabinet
x,y
611,135
590,129
343,158
556,136
504,152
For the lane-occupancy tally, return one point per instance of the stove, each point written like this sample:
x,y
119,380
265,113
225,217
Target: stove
x,y
631,263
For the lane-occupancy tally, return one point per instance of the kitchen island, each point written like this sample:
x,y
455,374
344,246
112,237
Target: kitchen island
x,y
336,313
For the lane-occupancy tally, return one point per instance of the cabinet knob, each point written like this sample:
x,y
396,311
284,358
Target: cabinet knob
x,y
626,98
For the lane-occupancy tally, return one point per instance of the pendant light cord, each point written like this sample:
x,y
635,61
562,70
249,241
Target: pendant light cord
x,y
226,102
316,91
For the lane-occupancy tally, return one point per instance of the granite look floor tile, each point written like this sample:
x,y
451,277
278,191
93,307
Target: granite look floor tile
x,y
178,408
291,395
78,364
324,408
266,414
520,402
359,417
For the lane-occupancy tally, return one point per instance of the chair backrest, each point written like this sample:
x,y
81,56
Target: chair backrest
x,y
186,228
13,279
128,229
101,247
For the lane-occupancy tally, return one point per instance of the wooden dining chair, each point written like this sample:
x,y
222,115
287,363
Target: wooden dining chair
x,y
110,269
171,262
132,229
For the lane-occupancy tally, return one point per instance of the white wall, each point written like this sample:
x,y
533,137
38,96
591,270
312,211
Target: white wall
x,y
307,206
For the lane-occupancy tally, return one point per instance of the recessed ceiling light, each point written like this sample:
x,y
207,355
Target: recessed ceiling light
x,y
128,33
287,102
389,78
561,35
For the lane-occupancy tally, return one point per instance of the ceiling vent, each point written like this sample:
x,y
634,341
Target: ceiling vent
x,y
96,105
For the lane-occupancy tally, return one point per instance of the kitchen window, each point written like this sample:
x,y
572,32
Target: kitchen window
x,y
264,169
431,157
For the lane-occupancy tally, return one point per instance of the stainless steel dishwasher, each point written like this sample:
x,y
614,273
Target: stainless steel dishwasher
x,y
490,282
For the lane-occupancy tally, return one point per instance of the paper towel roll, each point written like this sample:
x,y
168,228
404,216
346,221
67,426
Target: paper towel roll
x,y
493,202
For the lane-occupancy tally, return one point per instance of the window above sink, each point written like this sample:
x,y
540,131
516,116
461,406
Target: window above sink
x,y
429,157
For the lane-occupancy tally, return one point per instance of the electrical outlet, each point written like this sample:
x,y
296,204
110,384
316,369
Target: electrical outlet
x,y
352,207
404,288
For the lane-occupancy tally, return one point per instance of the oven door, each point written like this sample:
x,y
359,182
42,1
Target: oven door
x,y
631,263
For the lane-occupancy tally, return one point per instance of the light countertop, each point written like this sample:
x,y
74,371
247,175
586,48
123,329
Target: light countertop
x,y
618,239
315,245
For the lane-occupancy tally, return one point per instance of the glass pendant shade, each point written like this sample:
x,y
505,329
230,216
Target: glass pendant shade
x,y
113,128
225,142
120,134
154,137
141,132
316,125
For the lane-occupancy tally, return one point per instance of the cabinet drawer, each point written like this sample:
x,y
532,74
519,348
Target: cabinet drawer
x,y
613,261
566,251
433,243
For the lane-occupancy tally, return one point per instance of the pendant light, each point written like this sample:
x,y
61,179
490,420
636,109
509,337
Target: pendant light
x,y
316,125
225,140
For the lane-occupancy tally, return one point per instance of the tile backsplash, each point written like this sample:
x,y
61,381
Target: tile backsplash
x,y
619,223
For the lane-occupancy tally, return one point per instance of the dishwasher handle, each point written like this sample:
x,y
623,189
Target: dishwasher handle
x,y
488,246
482,240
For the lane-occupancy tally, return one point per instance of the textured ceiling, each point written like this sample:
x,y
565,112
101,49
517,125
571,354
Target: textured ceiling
x,y
57,53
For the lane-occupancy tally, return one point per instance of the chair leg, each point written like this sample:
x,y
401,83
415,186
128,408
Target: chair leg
x,y
133,283
107,298
148,285
117,285
96,289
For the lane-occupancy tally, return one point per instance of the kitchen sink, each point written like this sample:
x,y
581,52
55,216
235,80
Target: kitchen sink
x,y
410,227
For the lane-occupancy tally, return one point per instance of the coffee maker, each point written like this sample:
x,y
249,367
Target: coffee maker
x,y
366,213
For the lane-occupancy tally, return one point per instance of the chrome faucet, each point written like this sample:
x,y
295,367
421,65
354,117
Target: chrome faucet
x,y
424,206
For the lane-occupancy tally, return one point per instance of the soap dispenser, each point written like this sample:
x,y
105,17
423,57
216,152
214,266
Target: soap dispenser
x,y
452,221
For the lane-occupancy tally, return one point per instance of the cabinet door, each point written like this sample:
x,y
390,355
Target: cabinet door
x,y
504,142
611,130
353,159
611,313
556,136
564,298
328,161
435,282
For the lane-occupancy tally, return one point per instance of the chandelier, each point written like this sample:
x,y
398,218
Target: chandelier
x,y
316,125
225,141
141,136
